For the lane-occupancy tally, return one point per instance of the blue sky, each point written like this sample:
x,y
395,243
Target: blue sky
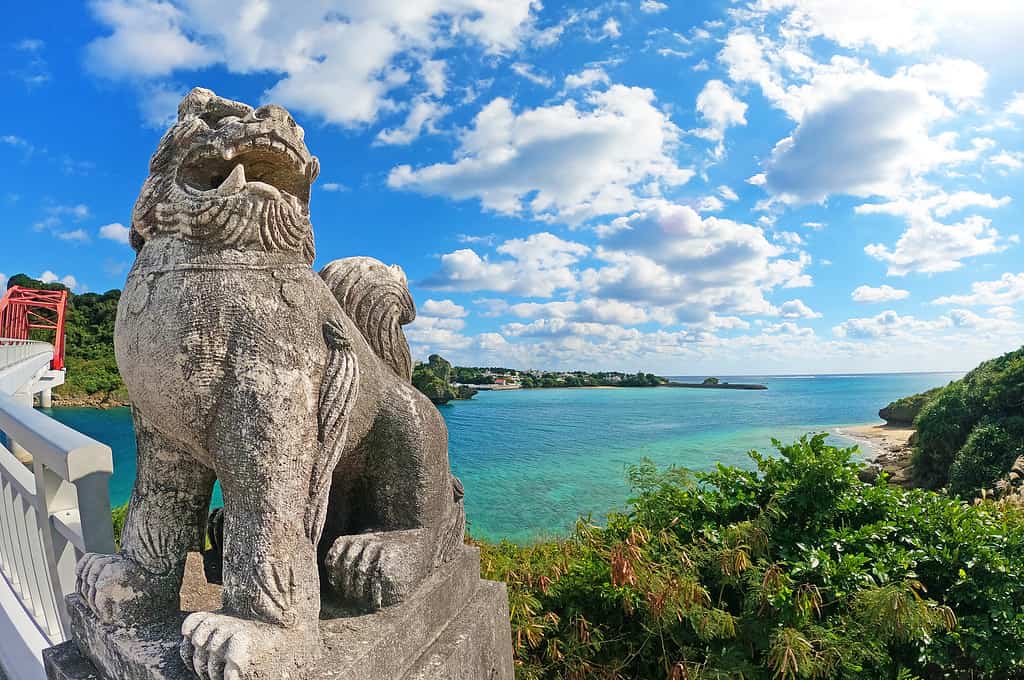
x,y
682,187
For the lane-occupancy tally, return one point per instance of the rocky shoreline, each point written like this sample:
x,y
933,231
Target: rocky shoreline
x,y
101,400
887,448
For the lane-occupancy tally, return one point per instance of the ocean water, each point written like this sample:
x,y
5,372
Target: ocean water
x,y
532,461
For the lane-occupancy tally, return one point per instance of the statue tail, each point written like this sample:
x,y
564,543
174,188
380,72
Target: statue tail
x,y
376,297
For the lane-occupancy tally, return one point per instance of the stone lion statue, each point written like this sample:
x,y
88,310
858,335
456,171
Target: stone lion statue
x,y
291,389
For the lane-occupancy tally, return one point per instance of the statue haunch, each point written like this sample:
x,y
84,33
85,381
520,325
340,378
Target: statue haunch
x,y
290,388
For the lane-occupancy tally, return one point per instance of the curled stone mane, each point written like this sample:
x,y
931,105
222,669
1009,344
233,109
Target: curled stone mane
x,y
376,297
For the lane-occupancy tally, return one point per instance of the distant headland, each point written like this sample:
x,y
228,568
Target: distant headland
x,y
716,384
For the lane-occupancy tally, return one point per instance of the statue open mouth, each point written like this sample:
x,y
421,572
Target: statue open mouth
x,y
265,165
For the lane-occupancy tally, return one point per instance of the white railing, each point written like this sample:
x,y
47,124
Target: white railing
x,y
52,509
13,351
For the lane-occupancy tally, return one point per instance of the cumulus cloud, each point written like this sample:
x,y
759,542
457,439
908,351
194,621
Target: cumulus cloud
x,y
423,115
720,109
930,246
668,255
887,324
1015,107
340,63
115,231
611,28
443,308
586,78
69,281
883,293
797,309
1011,160
652,6
568,162
1004,291
904,27
536,266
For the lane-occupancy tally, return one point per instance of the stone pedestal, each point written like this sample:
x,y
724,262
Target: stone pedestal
x,y
455,627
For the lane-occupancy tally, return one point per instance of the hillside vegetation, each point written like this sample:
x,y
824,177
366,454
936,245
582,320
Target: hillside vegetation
x,y
970,432
434,379
92,370
794,570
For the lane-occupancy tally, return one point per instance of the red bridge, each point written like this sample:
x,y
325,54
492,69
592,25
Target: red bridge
x,y
23,310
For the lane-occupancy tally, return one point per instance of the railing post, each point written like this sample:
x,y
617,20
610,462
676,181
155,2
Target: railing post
x,y
54,495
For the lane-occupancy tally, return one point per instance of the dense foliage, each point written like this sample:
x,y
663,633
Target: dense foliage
x,y
434,379
89,328
970,432
904,411
794,570
471,375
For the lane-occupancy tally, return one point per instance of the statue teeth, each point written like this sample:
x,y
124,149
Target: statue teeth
x,y
234,182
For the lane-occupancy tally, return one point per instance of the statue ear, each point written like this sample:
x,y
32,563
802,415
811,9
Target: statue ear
x,y
195,103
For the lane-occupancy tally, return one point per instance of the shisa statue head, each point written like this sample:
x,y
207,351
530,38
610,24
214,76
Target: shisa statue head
x,y
232,176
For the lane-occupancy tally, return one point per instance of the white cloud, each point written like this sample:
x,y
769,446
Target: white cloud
x,y
340,63
443,308
1004,291
529,72
3,282
158,104
797,309
652,6
423,115
537,266
334,187
721,110
1015,107
930,246
571,162
727,193
905,26
887,324
939,203
586,78
870,139
68,281
883,293
435,74
814,226
148,39
710,204
115,232
670,257
962,81
611,28
789,238
1011,160
79,235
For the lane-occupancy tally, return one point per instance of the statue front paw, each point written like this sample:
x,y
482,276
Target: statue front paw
x,y
217,646
377,570
118,590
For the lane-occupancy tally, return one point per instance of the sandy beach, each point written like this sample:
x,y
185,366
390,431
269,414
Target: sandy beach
x,y
888,446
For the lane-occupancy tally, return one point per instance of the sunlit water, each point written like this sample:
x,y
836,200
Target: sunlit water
x,y
532,461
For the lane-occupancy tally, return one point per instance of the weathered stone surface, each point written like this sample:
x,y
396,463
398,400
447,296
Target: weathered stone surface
x,y
290,388
472,640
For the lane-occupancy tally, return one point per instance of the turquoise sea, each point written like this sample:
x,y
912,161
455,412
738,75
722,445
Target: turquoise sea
x,y
532,461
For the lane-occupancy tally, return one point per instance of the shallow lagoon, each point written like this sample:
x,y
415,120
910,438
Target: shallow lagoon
x,y
534,460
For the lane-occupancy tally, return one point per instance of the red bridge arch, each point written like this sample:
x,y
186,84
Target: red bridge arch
x,y
23,310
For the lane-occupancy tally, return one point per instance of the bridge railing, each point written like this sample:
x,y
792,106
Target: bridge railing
x,y
52,510
13,351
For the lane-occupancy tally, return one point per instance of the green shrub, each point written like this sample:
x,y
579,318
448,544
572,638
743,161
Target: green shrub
x,y
987,454
991,393
793,570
